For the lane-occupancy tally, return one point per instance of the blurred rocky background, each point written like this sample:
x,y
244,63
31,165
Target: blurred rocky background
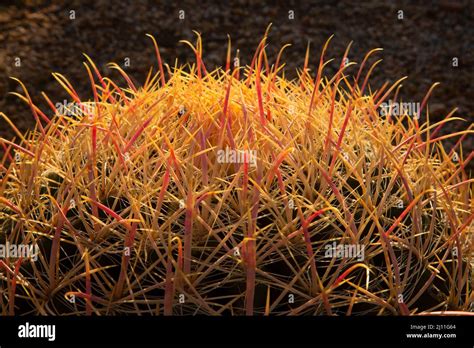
x,y
421,40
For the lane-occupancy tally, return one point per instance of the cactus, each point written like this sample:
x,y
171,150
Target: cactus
x,y
236,192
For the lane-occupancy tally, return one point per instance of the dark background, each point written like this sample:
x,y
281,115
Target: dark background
x,y
421,46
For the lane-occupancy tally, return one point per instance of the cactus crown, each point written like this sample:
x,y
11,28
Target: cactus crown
x,y
236,191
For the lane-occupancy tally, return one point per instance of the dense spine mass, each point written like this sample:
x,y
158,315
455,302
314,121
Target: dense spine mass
x,y
236,191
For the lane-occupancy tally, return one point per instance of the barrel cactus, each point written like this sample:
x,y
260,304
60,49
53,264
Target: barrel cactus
x,y
235,192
